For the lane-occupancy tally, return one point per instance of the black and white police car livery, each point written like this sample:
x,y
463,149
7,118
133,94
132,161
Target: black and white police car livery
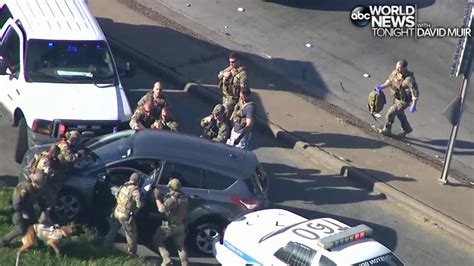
x,y
280,237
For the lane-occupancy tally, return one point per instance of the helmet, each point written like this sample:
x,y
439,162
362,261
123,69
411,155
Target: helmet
x,y
174,184
135,178
38,178
72,135
218,109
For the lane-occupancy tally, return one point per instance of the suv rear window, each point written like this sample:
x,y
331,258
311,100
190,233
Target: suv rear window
x,y
217,181
257,184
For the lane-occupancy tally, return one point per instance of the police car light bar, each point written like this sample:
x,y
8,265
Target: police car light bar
x,y
346,236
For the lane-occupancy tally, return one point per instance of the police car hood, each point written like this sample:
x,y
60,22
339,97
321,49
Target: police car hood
x,y
74,101
257,225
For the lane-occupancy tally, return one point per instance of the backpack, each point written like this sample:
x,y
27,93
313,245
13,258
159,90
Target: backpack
x,y
376,101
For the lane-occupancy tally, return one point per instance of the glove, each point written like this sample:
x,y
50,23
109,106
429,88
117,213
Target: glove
x,y
412,108
378,88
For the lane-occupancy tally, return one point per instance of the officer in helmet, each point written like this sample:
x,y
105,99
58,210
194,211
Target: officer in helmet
x,y
25,196
175,207
129,201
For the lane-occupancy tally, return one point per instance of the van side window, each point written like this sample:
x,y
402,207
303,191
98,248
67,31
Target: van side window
x,y
5,14
217,181
296,254
11,48
189,176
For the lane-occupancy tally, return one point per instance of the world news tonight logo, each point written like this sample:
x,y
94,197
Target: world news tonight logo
x,y
400,21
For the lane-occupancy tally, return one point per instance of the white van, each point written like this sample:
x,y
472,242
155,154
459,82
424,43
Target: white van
x,y
57,72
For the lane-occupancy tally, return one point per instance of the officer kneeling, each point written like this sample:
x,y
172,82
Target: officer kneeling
x,y
129,202
175,208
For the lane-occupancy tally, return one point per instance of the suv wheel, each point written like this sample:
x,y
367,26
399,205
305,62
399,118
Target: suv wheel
x,y
22,140
69,206
203,236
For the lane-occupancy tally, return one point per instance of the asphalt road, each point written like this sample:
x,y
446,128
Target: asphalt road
x,y
275,32
300,185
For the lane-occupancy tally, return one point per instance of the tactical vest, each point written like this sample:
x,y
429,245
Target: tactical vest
x,y
230,88
238,116
37,163
399,89
125,199
178,214
47,233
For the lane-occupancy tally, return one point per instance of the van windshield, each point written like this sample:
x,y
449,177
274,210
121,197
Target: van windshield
x,y
69,62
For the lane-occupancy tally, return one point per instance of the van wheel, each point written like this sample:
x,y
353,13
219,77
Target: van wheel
x,y
22,141
203,236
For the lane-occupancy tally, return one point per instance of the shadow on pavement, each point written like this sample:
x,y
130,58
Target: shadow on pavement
x,y
309,186
346,5
383,234
8,181
337,140
461,147
380,176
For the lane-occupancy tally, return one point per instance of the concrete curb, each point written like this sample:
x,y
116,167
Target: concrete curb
x,y
415,207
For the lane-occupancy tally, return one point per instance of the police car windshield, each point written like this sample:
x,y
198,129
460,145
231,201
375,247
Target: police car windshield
x,y
69,61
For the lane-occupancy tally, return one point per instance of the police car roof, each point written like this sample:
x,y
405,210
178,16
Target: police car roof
x,y
182,148
55,19
276,227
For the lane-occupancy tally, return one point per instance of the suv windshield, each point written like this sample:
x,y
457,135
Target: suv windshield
x,y
69,61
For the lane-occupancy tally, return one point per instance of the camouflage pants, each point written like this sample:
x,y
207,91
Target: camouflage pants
x,y
116,222
229,104
178,234
398,110
20,226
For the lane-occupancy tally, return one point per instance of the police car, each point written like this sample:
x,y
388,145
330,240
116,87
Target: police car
x,y
280,237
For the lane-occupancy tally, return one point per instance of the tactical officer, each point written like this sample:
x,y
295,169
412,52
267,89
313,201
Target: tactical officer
x,y
243,117
25,196
404,89
216,125
46,161
129,202
144,117
231,80
156,95
166,120
68,154
174,206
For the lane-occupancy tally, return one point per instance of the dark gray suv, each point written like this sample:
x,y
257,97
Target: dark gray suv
x,y
222,182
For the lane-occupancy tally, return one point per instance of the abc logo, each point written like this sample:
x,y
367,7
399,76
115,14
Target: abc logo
x,y
360,16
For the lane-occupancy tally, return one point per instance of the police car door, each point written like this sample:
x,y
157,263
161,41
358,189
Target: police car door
x,y
11,74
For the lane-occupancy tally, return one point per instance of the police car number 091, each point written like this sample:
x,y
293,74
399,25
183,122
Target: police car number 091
x,y
313,228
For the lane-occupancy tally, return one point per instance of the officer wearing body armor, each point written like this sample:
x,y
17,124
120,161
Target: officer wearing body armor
x,y
46,161
231,80
174,206
166,121
216,125
68,154
145,116
25,196
404,89
156,95
243,118
129,201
